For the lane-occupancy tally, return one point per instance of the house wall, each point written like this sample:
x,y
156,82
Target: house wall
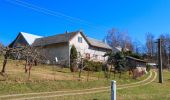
x,y
97,54
57,50
83,48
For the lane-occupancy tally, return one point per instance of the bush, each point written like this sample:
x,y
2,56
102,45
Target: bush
x,y
73,59
148,68
98,66
93,66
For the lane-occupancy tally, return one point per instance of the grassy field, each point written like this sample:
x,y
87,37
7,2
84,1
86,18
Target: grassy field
x,y
51,78
153,91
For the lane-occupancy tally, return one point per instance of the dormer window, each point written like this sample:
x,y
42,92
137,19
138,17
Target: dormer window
x,y
80,39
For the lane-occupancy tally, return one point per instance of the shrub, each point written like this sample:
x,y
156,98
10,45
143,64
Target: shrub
x,y
148,67
93,66
98,66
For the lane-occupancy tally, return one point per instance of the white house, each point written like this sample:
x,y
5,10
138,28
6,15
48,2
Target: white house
x,y
59,46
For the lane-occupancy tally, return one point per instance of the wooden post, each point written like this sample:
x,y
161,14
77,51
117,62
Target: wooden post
x,y
160,60
113,90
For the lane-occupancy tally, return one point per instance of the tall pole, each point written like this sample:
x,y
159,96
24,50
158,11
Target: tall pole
x,y
168,57
160,60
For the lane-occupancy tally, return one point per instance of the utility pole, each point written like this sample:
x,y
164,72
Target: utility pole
x,y
160,60
168,57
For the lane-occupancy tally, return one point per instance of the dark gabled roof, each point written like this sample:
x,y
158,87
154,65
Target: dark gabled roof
x,y
139,60
61,38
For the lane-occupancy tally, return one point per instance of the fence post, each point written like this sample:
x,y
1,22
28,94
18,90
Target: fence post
x,y
113,90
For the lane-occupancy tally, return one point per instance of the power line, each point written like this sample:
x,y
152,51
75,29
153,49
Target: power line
x,y
53,13
57,13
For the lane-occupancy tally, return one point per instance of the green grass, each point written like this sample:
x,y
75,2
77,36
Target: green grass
x,y
153,91
98,96
47,79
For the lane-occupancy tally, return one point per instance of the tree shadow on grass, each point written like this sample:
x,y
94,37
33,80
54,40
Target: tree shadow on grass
x,y
2,79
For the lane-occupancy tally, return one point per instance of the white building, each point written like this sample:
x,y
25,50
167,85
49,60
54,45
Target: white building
x,y
59,46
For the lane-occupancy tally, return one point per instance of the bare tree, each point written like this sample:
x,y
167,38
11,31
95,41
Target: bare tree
x,y
150,44
117,38
29,54
129,44
6,52
113,37
138,47
32,56
151,47
165,49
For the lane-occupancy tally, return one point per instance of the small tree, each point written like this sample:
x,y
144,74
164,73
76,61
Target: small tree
x,y
110,61
1,49
6,52
120,62
73,59
29,54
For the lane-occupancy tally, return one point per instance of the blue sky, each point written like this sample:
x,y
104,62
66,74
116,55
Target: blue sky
x,y
97,17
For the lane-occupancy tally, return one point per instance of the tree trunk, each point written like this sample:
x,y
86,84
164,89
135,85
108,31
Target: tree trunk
x,y
114,74
110,71
88,74
133,74
120,74
29,70
98,75
26,64
4,63
4,66
130,73
80,73
29,74
106,72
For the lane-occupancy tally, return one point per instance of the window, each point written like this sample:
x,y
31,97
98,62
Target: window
x,y
80,39
87,56
95,56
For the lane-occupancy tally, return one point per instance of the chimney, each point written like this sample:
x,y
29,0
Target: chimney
x,y
66,32
104,40
67,36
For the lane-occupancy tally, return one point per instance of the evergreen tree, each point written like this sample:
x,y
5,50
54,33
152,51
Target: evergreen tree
x,y
73,53
118,60
73,59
